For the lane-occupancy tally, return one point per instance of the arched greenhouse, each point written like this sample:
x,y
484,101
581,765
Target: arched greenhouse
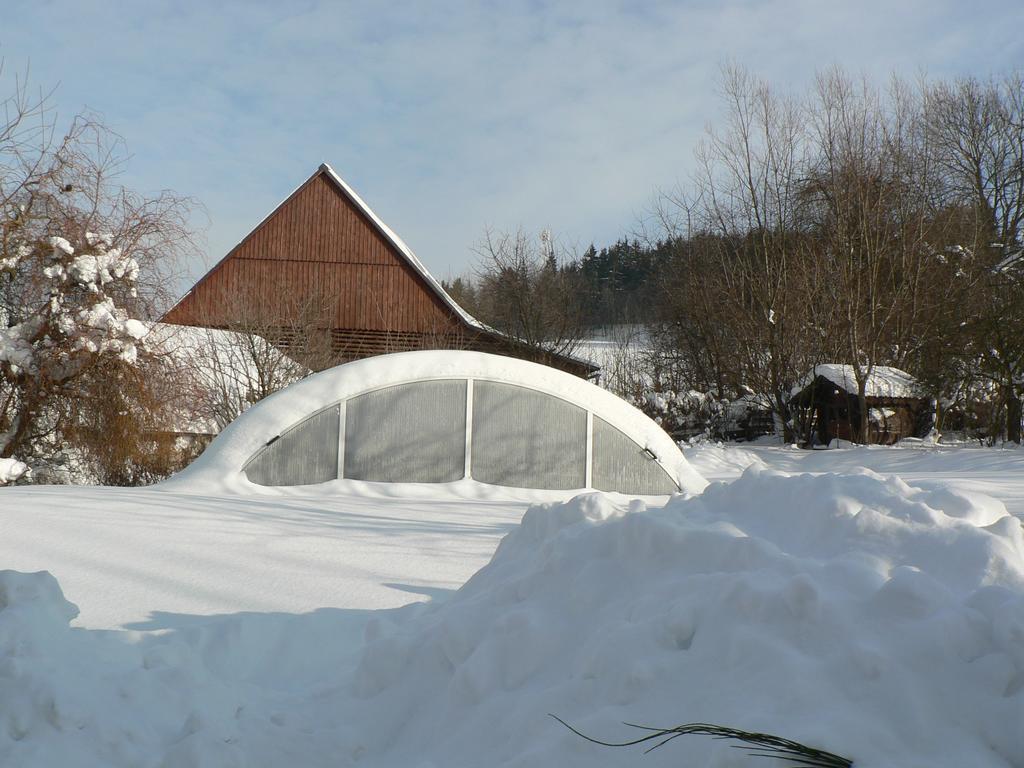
x,y
447,416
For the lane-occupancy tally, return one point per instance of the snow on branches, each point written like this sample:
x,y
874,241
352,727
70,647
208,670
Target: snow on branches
x,y
94,270
65,316
73,311
12,470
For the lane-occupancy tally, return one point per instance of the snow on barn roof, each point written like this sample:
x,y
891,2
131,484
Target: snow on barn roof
x,y
404,250
420,268
884,380
185,341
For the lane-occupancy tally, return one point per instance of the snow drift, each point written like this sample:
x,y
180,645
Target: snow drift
x,y
74,697
854,613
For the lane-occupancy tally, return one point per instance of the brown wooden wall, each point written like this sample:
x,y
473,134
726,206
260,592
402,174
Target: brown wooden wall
x,y
317,267
318,250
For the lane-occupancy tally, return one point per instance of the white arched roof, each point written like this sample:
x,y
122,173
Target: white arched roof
x,y
222,462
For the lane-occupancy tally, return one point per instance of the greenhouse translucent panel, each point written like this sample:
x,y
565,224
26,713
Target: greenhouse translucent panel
x,y
622,465
410,433
526,438
305,454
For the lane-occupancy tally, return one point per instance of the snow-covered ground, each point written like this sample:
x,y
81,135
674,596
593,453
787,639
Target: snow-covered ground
x,y
153,559
998,472
877,613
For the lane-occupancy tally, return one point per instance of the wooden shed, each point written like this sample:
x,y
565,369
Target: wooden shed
x,y
827,396
323,264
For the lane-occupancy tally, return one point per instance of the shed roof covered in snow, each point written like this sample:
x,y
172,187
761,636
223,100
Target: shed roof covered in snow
x,y
884,381
443,417
324,262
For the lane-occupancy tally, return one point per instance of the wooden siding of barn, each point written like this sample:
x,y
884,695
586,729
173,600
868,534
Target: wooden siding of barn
x,y
319,257
317,246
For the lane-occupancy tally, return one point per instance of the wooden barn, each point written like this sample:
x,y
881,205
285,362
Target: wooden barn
x,y
827,397
323,267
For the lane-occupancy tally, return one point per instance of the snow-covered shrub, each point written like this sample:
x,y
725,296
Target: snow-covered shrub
x,y
68,341
684,415
694,415
12,470
82,261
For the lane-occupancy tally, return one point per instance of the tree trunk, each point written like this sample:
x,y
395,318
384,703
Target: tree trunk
x,y
785,415
862,422
1013,416
16,434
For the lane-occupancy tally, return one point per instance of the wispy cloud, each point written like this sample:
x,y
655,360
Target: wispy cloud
x,y
449,116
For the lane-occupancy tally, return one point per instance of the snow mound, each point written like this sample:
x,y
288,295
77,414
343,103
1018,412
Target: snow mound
x,y
11,470
73,697
710,459
853,613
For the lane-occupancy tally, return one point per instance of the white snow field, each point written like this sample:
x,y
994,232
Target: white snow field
x,y
875,613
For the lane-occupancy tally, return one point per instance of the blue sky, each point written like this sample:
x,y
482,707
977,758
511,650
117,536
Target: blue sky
x,y
449,117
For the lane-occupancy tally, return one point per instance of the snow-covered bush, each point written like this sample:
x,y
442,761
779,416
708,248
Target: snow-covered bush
x,y
694,415
82,260
12,470
66,334
683,415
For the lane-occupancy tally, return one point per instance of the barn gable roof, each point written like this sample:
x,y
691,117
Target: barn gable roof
x,y
403,250
305,208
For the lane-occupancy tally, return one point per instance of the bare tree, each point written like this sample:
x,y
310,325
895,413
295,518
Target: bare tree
x,y
978,128
230,366
815,230
870,186
745,300
522,290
